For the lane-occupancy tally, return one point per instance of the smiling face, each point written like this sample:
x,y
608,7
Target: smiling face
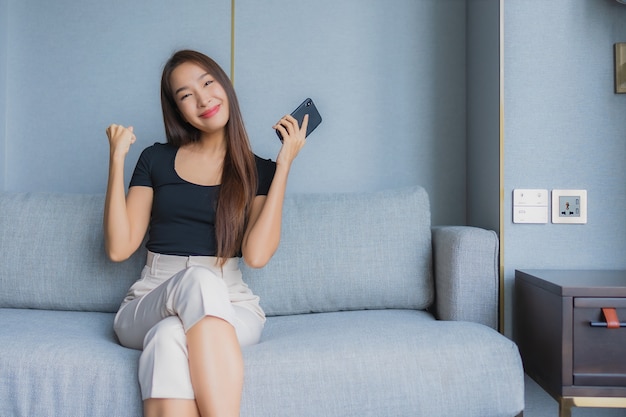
x,y
201,100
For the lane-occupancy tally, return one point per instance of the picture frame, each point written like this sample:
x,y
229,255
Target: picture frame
x,y
620,68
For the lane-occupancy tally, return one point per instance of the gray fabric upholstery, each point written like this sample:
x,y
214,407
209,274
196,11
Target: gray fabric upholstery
x,y
370,253
53,256
349,364
381,363
65,363
349,252
466,264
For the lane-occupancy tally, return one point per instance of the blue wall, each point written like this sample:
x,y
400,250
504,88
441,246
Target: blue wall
x,y
3,78
389,81
74,67
564,128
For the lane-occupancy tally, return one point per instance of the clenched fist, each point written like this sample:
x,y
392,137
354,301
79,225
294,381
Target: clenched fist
x,y
120,139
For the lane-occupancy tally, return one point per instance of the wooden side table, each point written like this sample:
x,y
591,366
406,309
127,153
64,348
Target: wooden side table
x,y
570,327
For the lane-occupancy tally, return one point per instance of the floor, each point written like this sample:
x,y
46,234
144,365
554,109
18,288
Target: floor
x,y
540,404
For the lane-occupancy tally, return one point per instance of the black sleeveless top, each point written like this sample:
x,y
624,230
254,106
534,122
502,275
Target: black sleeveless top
x,y
182,221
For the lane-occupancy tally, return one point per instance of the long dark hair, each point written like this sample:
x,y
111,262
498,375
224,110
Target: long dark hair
x,y
239,175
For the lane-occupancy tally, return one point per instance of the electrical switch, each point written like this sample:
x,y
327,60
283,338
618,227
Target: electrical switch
x,y
530,206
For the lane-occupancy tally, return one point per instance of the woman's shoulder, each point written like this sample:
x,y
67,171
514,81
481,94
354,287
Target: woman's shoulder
x,y
263,161
159,147
158,150
265,170
264,165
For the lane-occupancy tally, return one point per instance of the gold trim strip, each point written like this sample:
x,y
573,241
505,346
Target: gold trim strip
x,y
608,402
502,286
232,41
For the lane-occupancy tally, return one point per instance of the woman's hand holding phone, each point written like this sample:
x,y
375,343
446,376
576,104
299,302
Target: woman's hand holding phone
x,y
293,129
294,138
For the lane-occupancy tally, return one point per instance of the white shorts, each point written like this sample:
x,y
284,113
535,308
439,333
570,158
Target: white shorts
x,y
173,294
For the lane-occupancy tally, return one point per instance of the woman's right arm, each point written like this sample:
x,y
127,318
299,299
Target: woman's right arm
x,y
126,217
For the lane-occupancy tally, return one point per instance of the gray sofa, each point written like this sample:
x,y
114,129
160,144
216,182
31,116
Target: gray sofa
x,y
371,312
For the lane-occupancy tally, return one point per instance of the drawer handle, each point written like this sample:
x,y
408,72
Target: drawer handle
x,y
603,324
612,321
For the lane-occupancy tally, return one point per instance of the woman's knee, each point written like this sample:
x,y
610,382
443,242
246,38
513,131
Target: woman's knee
x,y
248,325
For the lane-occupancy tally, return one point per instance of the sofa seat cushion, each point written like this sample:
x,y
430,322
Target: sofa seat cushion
x,y
381,363
63,363
361,364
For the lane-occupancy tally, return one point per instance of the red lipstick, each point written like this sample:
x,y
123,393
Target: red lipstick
x,y
210,112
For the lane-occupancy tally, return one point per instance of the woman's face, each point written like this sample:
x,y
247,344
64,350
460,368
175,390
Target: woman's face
x,y
201,100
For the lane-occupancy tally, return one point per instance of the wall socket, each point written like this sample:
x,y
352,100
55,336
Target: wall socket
x,y
569,206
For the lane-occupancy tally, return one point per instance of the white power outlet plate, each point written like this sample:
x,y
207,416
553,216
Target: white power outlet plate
x,y
569,206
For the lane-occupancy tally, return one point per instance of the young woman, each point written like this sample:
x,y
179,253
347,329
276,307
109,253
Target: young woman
x,y
206,200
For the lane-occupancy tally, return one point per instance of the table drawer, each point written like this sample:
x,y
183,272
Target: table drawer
x,y
599,353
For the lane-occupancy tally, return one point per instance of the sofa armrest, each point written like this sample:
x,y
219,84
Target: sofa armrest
x,y
466,274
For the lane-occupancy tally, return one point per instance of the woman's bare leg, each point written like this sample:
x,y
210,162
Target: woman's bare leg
x,y
216,367
170,407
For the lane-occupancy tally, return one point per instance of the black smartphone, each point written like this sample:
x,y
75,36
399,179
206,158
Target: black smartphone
x,y
306,107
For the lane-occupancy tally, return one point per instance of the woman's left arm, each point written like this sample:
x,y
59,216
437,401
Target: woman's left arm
x,y
262,234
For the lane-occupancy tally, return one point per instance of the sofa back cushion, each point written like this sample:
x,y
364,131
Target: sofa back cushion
x,y
337,252
369,250
52,254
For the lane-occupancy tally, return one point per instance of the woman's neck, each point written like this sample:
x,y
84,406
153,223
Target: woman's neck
x,y
210,144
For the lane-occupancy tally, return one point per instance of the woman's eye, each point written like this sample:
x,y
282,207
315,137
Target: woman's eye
x,y
208,83
184,96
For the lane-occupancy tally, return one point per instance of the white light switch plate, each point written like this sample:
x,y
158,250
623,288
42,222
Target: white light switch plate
x,y
530,206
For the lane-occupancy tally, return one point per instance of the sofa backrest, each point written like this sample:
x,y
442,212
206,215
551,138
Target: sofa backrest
x,y
52,254
369,250
337,252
